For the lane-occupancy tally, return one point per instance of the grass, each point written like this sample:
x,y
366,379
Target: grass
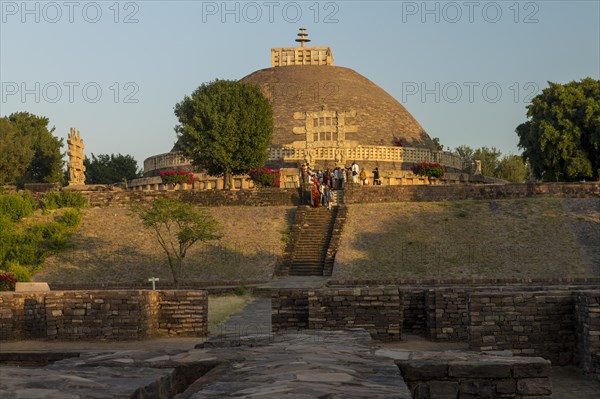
x,y
518,238
223,306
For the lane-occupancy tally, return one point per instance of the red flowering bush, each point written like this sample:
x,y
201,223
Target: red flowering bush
x,y
428,169
176,177
7,281
265,177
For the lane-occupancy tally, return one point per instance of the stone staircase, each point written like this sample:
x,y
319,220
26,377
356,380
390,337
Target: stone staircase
x,y
313,241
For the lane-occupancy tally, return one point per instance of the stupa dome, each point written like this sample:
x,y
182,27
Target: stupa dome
x,y
380,119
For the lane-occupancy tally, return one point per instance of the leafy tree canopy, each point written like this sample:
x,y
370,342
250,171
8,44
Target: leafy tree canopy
x,y
225,127
509,167
178,226
107,169
29,151
561,139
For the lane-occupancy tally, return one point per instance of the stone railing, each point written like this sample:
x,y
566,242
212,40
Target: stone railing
x,y
201,182
368,153
164,161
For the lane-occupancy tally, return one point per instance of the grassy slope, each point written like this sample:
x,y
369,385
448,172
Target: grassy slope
x,y
498,239
111,245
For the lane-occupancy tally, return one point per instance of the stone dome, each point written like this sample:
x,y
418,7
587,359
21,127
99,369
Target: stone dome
x,y
380,119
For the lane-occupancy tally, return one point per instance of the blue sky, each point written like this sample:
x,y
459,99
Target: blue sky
x,y
114,70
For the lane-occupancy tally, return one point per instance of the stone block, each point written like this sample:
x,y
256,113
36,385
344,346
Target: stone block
x,y
534,386
479,369
415,370
443,389
32,287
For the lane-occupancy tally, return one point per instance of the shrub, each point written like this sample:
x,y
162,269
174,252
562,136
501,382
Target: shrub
x,y
70,218
16,206
265,177
63,199
241,290
428,169
71,199
20,272
176,177
7,281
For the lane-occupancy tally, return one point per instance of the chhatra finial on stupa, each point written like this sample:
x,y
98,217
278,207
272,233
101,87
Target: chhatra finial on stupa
x,y
302,37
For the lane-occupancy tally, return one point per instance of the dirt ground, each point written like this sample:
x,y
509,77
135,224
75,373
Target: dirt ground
x,y
533,237
112,245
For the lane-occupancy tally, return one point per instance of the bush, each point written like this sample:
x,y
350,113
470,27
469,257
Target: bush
x,y
428,169
176,177
70,218
7,281
20,272
17,206
265,177
63,199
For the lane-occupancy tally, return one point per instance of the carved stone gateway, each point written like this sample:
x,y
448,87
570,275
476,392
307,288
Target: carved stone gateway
x,y
75,152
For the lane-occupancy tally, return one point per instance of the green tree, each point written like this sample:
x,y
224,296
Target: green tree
x,y
225,128
466,155
489,158
439,146
107,169
45,165
561,139
16,152
178,226
511,168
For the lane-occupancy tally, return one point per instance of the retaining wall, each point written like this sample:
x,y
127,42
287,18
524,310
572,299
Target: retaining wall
x,y
363,194
90,315
470,376
587,326
527,323
377,310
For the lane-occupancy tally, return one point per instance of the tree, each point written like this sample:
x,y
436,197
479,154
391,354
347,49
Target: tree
x,y
436,142
489,159
16,152
107,169
561,139
178,226
32,144
225,128
466,155
511,168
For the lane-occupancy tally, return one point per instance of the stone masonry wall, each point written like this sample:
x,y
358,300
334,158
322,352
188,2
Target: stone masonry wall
x,y
352,194
257,197
377,310
452,192
527,323
116,315
289,309
447,314
470,376
587,319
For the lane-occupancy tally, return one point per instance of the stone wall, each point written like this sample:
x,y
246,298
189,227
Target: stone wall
x,y
289,309
257,197
377,310
527,323
353,194
469,376
587,325
364,194
447,314
116,315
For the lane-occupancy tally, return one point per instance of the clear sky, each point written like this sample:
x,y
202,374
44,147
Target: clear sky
x,y
115,70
